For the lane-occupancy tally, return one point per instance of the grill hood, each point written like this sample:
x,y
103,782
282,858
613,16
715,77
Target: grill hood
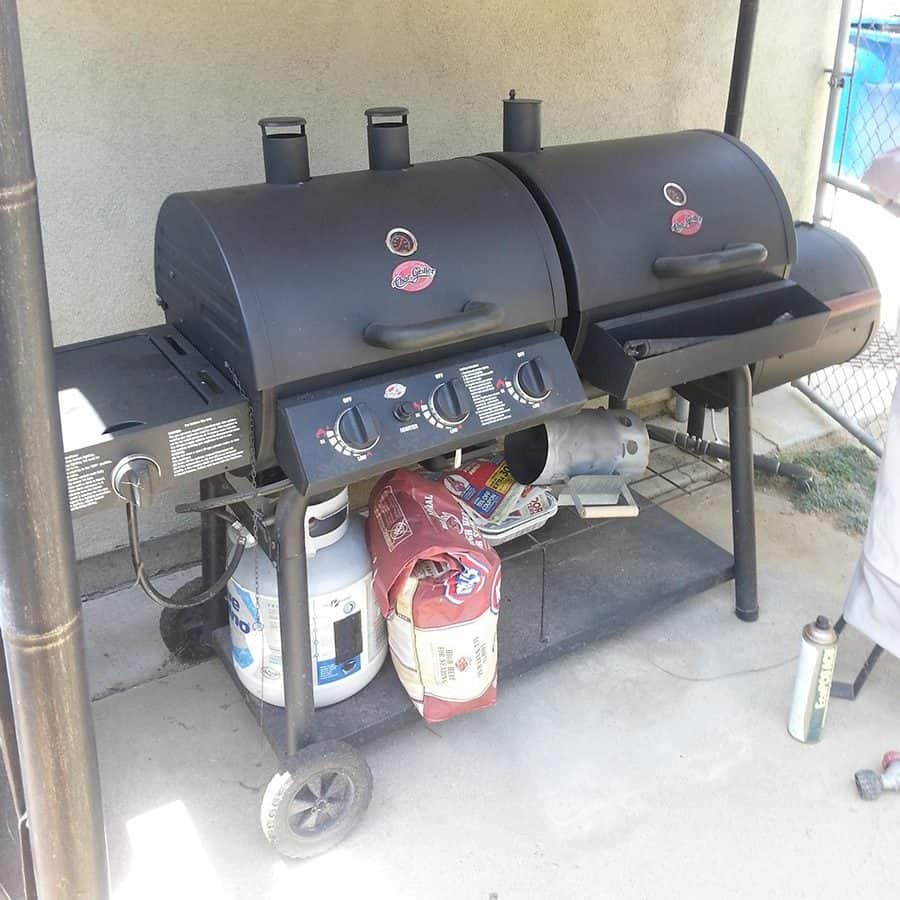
x,y
612,206
281,281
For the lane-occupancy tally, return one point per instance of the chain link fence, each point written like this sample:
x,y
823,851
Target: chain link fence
x,y
864,119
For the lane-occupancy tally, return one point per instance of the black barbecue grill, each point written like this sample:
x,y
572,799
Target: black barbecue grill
x,y
302,314
304,287
322,331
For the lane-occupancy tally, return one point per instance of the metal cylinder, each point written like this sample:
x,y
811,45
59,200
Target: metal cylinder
x,y
521,125
40,608
740,67
743,502
837,82
388,142
293,609
812,686
594,442
285,153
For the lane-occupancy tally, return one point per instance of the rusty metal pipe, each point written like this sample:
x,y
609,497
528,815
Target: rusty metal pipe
x,y
40,607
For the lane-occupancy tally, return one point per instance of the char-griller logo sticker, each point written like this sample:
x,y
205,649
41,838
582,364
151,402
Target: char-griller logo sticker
x,y
674,193
401,242
412,275
395,391
686,222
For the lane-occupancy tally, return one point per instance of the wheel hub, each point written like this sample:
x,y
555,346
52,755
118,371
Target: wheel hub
x,y
320,803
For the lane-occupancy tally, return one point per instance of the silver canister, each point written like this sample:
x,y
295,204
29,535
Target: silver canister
x,y
812,689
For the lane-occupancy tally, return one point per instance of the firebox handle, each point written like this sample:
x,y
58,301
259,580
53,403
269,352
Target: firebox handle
x,y
702,265
476,318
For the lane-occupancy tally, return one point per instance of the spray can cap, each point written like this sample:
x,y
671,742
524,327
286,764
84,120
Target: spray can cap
x,y
820,631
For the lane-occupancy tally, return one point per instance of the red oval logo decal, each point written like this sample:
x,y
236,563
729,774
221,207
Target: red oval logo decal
x,y
412,275
686,222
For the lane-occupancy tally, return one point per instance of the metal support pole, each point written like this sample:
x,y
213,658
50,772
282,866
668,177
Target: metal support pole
x,y
837,82
696,423
40,608
293,610
743,515
740,67
213,552
9,748
844,421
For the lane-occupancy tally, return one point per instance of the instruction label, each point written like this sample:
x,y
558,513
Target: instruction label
x,y
204,443
490,405
87,475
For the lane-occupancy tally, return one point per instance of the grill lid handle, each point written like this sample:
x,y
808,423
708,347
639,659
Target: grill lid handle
x,y
476,318
702,265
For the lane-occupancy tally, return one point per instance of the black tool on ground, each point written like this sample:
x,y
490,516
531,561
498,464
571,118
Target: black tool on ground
x,y
871,784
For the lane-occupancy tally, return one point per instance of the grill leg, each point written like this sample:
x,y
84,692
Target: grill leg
x,y
696,422
293,608
213,552
743,516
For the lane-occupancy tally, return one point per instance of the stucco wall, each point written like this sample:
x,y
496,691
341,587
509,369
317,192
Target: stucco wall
x,y
131,101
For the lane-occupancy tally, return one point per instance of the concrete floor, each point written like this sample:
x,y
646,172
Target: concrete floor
x,y
652,765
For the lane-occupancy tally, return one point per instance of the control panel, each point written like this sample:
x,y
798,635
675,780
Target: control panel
x,y
338,436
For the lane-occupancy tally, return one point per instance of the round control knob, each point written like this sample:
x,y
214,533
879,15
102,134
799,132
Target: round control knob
x,y
358,428
450,402
404,412
533,381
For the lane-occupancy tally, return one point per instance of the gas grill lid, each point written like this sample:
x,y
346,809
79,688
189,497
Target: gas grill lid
x,y
358,272
651,221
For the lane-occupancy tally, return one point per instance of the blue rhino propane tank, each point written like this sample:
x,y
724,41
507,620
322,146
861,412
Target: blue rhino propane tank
x,y
347,632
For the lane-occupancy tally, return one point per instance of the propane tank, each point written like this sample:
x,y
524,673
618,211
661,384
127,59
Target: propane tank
x,y
347,632
812,688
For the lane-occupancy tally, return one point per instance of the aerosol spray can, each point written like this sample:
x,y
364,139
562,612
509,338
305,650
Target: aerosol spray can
x,y
812,689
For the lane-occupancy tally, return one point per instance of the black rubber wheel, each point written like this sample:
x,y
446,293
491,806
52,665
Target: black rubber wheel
x,y
183,630
317,800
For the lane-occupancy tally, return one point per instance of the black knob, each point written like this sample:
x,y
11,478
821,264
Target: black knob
x,y
403,412
450,402
533,381
358,428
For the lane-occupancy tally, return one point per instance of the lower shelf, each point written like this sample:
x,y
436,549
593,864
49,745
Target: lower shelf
x,y
568,584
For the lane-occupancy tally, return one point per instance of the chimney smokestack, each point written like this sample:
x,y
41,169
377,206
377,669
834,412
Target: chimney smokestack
x,y
388,141
521,125
285,152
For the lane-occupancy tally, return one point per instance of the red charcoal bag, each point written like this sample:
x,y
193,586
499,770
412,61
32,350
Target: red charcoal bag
x,y
438,585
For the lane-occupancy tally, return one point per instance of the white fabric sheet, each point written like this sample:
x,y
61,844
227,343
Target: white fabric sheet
x,y
873,600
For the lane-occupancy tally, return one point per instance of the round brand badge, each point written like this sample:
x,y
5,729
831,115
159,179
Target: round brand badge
x,y
401,242
395,391
412,275
686,222
674,193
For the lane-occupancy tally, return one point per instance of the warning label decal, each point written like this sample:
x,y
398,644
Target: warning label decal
x,y
204,443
